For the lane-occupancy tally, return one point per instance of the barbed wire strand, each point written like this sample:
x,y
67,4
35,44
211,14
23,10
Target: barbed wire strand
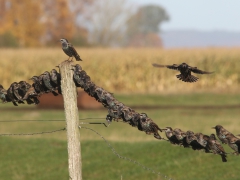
x,y
44,120
30,134
126,158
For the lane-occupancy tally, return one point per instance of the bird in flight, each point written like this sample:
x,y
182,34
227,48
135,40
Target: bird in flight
x,y
69,50
185,71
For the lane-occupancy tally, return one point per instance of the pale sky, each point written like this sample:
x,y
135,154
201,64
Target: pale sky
x,y
205,15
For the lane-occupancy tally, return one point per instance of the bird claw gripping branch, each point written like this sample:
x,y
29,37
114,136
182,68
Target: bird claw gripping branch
x,y
116,109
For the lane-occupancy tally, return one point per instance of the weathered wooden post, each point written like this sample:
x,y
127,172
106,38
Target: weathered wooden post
x,y
72,120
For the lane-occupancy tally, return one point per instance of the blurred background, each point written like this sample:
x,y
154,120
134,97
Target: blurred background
x,y
118,41
122,23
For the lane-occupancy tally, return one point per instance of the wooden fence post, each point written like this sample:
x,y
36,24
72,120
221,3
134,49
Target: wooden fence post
x,y
69,94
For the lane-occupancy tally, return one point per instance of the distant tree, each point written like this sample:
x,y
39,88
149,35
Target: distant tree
x,y
144,25
106,22
21,19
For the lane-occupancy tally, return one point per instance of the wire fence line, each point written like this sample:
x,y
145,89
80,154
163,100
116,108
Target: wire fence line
x,y
46,120
30,134
126,158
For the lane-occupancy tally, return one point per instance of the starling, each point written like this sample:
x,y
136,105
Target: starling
x,y
171,137
221,133
15,88
216,147
23,88
148,126
46,79
185,71
55,78
31,93
202,140
10,94
233,142
69,50
192,140
37,84
3,95
181,137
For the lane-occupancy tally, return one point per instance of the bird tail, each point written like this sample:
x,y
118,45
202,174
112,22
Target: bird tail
x,y
78,58
224,157
189,78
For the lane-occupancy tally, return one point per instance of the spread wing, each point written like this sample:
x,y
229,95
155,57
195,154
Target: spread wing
x,y
198,71
174,66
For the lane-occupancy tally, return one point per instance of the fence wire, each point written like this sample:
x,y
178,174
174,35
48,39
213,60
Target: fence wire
x,y
126,158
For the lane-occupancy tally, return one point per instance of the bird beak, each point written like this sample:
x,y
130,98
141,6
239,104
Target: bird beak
x,y
164,129
57,66
212,127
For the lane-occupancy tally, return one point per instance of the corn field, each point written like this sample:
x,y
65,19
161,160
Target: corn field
x,y
131,70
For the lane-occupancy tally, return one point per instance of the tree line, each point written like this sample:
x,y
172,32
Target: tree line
x,y
31,23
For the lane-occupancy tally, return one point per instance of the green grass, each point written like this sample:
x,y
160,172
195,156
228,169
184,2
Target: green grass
x,y
45,156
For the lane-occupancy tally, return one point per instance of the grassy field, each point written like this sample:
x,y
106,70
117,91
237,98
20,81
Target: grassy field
x,y
130,70
45,156
128,73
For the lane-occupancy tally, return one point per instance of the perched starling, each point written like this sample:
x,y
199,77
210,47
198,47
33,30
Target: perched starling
x,y
192,140
216,147
69,50
15,88
3,95
23,88
10,95
38,86
55,78
233,142
181,137
221,133
171,137
202,139
185,71
148,126
31,93
46,79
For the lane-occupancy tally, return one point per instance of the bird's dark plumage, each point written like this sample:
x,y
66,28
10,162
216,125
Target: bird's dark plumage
x,y
148,126
185,71
192,140
216,147
221,133
3,95
69,50
234,143
171,137
181,137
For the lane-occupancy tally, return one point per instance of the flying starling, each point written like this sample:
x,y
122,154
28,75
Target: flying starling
x,y
185,71
216,147
69,50
221,133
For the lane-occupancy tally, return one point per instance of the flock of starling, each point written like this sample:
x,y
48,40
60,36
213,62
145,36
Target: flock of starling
x,y
50,82
18,92
200,141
